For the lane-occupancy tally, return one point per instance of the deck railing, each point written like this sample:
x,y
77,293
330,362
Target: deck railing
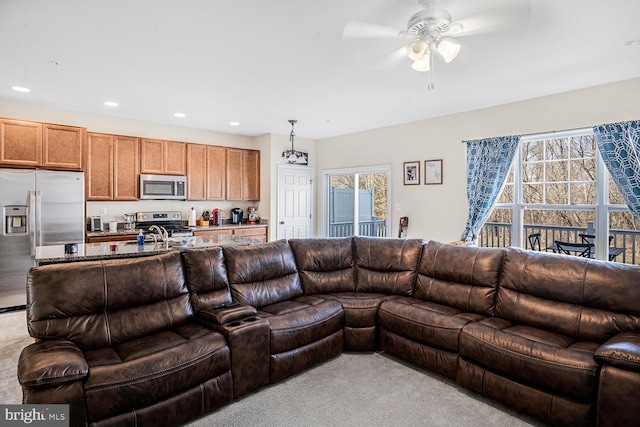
x,y
496,234
373,228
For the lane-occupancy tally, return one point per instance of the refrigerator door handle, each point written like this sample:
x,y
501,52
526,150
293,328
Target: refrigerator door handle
x,y
32,221
38,218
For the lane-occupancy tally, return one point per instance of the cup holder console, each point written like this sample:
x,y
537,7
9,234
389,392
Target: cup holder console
x,y
242,321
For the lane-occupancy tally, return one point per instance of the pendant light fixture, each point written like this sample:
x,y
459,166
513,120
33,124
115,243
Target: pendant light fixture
x,y
292,156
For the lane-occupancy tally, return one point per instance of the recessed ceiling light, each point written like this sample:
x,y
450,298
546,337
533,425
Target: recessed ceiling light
x,y
234,123
110,104
180,114
21,89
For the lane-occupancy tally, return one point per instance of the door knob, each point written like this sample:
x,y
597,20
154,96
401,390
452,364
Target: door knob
x,y
281,222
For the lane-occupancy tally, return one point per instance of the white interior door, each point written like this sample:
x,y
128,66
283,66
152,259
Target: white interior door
x,y
294,202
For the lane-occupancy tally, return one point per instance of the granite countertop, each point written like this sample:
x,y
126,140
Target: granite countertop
x,y
130,249
135,231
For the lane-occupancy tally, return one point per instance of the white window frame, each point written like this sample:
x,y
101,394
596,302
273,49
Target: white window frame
x,y
328,173
601,208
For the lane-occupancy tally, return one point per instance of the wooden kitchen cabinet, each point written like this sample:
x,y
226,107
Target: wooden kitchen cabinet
x,y
20,143
33,144
126,168
213,233
63,147
243,174
205,172
99,173
112,167
255,233
196,172
216,172
163,157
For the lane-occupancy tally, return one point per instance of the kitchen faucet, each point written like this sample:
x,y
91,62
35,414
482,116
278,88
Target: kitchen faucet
x,y
160,230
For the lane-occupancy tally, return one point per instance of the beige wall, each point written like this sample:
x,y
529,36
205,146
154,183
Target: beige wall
x,y
439,211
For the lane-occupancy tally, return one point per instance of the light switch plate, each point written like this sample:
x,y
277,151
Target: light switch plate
x,y
398,207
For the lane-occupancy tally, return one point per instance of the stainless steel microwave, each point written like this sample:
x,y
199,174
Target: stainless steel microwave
x,y
163,187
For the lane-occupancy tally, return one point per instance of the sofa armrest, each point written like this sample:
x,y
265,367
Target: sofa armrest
x,y
622,351
51,362
217,316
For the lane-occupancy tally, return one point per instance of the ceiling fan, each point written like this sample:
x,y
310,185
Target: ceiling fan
x,y
432,31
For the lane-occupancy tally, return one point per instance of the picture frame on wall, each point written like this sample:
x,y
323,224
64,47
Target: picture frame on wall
x,y
433,172
411,172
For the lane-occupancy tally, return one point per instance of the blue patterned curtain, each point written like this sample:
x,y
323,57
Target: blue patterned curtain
x,y
619,147
488,162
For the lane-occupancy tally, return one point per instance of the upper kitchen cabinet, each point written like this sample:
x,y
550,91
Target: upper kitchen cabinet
x,y
205,172
63,147
163,157
33,144
20,143
112,167
243,174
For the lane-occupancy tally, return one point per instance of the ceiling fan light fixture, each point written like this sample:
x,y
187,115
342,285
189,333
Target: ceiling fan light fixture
x,y
416,49
449,49
422,64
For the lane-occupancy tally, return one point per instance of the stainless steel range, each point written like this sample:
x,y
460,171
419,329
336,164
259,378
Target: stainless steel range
x,y
169,220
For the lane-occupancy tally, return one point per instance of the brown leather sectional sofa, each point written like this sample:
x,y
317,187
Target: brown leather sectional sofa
x,y
164,339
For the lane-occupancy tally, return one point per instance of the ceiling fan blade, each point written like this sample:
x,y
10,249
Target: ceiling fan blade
x,y
496,16
365,30
391,59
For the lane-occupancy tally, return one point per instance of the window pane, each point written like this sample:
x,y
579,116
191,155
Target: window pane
x,y
615,197
583,193
625,231
373,204
341,205
556,194
533,172
497,230
583,169
556,171
507,194
563,225
583,146
557,149
532,193
533,151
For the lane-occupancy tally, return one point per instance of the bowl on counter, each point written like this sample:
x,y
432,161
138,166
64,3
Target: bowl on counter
x,y
181,242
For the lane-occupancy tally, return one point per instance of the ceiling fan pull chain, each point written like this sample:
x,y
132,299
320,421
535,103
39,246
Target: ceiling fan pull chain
x,y
430,85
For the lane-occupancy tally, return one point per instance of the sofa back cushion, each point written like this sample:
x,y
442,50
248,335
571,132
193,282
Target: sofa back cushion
x,y
206,277
581,298
262,274
102,303
386,266
463,277
325,265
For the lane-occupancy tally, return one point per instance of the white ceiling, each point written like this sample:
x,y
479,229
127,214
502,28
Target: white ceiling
x,y
263,62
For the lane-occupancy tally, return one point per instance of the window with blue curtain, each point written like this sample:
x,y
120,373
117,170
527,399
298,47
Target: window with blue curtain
x,y
619,146
488,162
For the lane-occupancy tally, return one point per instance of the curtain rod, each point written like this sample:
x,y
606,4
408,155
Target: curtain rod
x,y
552,132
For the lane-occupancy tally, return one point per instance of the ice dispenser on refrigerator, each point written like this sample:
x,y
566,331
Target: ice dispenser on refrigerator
x,y
15,220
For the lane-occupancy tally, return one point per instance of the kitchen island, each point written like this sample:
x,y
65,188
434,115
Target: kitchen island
x,y
129,249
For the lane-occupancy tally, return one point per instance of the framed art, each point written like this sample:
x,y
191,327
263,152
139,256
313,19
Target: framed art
x,y
433,172
411,173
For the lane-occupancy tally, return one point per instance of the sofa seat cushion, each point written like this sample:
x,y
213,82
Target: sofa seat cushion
x,y
360,308
301,321
425,322
539,358
146,370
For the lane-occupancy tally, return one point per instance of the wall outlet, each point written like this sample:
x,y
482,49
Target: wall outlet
x,y
398,207
102,211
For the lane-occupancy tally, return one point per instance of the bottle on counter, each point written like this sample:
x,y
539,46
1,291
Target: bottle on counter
x,y
140,239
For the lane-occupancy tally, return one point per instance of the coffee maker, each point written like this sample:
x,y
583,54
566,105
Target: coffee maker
x,y
236,215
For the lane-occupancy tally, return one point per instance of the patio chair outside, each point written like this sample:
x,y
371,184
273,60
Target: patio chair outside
x,y
579,249
534,241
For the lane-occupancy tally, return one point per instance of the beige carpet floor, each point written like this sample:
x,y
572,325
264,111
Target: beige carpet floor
x,y
354,389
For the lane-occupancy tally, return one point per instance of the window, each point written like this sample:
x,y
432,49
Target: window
x,y
559,187
364,212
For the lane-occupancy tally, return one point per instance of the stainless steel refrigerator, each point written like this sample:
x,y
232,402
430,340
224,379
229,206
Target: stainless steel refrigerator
x,y
39,208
